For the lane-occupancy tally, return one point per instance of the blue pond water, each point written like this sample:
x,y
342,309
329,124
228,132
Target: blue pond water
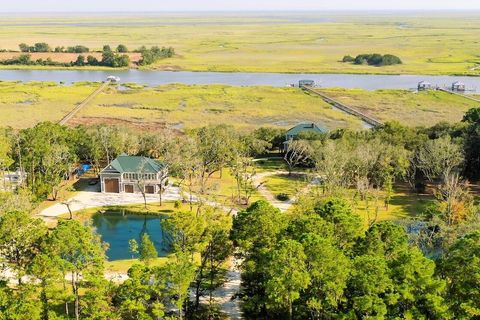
x,y
117,229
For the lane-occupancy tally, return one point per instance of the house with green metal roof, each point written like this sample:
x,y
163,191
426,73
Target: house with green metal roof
x,y
306,127
133,174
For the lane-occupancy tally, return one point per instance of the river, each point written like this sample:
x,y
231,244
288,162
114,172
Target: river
x,y
155,78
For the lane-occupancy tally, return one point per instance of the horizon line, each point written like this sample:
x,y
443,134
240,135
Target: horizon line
x,y
464,10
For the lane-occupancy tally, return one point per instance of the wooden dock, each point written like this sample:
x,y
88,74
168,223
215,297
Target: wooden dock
x,y
352,111
82,104
458,94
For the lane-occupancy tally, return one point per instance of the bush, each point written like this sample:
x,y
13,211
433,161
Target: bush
x,y
78,49
374,59
122,48
283,197
150,56
177,204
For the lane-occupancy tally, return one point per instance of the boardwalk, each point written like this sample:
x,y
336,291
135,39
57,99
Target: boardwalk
x,y
459,94
354,112
82,104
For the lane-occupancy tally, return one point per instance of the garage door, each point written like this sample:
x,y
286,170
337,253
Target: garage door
x,y
129,188
111,186
150,189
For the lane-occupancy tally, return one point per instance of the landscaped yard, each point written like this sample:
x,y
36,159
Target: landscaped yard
x,y
285,184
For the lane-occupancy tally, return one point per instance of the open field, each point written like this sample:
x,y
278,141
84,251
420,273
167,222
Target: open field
x,y
409,108
428,43
179,106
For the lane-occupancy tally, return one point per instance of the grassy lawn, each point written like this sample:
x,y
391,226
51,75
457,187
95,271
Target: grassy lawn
x,y
223,189
409,108
290,185
269,164
436,43
403,205
122,266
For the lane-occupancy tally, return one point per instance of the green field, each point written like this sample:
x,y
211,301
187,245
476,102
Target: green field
x,y
428,43
179,106
409,108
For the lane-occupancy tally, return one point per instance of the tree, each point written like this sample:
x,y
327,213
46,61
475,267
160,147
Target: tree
x,y
122,48
471,136
80,61
329,269
218,248
147,249
460,267
42,47
297,152
186,230
92,61
20,240
24,47
45,268
133,247
439,158
256,231
81,254
331,162
5,159
179,274
287,275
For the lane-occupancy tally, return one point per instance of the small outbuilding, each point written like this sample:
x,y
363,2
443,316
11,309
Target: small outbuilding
x,y
424,86
458,86
133,174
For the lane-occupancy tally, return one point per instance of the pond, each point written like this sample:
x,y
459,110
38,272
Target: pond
x,y
155,78
117,229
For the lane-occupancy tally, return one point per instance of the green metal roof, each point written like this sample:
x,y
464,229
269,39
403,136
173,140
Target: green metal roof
x,y
136,164
305,127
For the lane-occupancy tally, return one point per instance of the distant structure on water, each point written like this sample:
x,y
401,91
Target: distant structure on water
x,y
113,79
306,83
424,86
458,86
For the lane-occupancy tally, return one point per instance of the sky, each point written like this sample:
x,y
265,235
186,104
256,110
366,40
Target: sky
x,y
230,5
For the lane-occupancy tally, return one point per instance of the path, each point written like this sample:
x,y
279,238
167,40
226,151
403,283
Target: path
x,y
370,121
459,94
259,180
82,104
92,198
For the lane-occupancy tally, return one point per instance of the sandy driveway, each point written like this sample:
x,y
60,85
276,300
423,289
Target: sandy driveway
x,y
92,198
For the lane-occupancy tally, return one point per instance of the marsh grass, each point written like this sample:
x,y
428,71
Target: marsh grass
x,y
434,44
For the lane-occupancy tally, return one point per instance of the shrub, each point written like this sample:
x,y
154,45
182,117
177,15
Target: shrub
x,y
374,59
283,197
122,48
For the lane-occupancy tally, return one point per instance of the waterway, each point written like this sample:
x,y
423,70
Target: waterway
x,y
155,78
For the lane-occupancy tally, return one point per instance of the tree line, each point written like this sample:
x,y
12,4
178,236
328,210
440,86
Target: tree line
x,y
110,58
